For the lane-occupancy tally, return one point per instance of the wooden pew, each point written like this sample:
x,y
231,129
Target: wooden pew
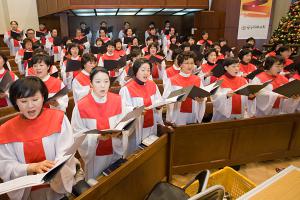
x,y
6,111
134,179
213,145
7,117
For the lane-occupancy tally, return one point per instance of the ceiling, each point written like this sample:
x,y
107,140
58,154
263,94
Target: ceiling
x,y
134,11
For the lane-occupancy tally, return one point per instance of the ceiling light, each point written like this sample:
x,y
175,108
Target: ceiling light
x,y
106,13
145,13
180,13
83,10
107,10
126,13
85,14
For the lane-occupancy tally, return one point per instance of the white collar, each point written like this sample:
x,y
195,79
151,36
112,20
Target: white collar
x,y
98,99
176,68
85,72
184,74
46,78
75,58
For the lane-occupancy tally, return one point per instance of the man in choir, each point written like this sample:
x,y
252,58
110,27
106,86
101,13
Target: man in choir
x,y
46,33
227,104
81,83
251,41
188,111
157,68
267,101
30,33
86,31
19,59
30,144
205,73
41,65
99,110
141,91
14,44
4,101
246,67
122,31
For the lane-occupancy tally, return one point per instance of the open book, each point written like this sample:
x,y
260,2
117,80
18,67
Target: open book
x,y
5,82
114,64
59,94
290,89
33,180
254,73
125,122
248,89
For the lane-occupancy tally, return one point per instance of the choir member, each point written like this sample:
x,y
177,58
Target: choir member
x,y
205,73
246,67
188,111
86,31
135,44
267,101
166,39
110,55
41,65
191,40
217,47
149,41
225,49
127,73
275,48
167,50
185,46
228,105
30,34
99,110
44,31
85,47
157,68
14,44
251,41
129,34
151,30
67,77
141,91
204,39
4,101
166,28
295,101
119,48
285,52
103,35
30,144
174,69
81,83
126,26
23,64
53,49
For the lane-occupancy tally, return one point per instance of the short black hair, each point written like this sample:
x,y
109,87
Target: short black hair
x,y
5,59
243,52
185,56
26,40
40,51
72,45
184,45
249,39
104,29
283,49
82,23
248,46
26,87
153,44
109,43
138,63
127,30
135,52
13,22
116,41
208,52
30,29
96,70
176,52
99,39
87,57
271,60
230,61
204,32
41,58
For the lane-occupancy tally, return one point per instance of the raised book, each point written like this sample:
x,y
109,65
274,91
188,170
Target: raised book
x,y
59,94
254,73
249,89
5,82
73,65
290,89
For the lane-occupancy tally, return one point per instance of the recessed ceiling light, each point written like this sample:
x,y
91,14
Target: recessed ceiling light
x,y
83,10
192,10
145,13
128,9
151,9
107,10
180,13
126,13
172,9
85,14
106,13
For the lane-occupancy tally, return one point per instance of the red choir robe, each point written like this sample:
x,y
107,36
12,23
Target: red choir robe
x,y
267,101
235,107
108,56
53,50
188,111
81,85
121,52
91,113
206,68
272,53
157,72
138,94
124,74
246,69
85,47
12,44
20,146
67,77
54,85
5,101
201,42
170,72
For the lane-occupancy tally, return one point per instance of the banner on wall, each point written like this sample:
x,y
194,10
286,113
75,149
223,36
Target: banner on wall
x,y
254,19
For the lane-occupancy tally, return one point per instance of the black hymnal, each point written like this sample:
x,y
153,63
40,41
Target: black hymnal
x,y
98,50
115,64
218,70
81,41
27,55
57,41
254,73
128,40
73,65
5,82
40,34
256,62
59,94
173,47
15,35
249,89
290,89
154,59
291,67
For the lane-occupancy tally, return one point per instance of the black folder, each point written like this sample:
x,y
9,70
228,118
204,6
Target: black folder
x,y
154,59
290,89
59,94
115,64
15,35
27,55
73,65
6,82
249,89
98,50
254,73
81,41
219,69
40,34
128,40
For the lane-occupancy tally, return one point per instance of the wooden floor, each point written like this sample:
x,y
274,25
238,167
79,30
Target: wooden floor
x,y
256,172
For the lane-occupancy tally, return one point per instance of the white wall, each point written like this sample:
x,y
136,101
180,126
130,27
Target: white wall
x,y
22,11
